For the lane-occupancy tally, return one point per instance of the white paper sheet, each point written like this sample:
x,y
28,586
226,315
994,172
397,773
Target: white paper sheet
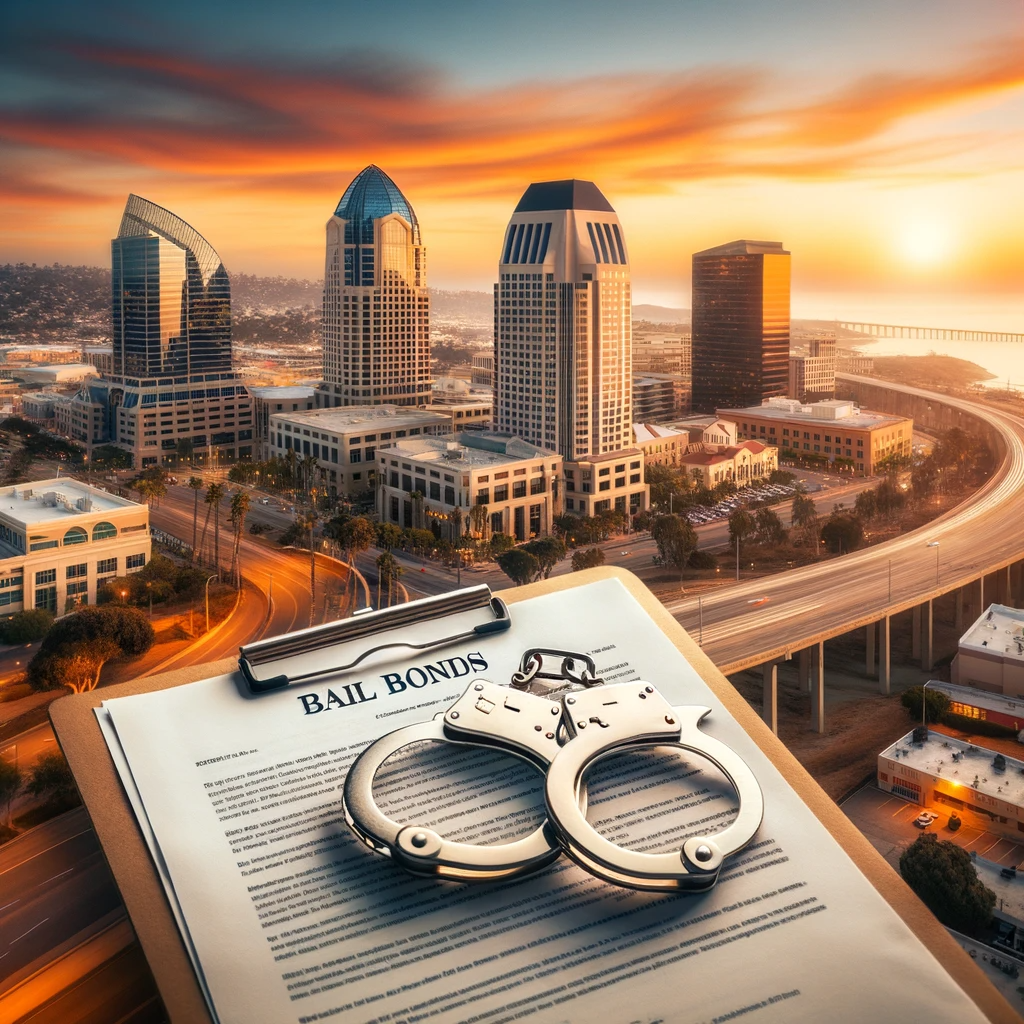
x,y
293,920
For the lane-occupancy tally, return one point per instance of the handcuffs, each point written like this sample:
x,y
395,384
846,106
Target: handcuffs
x,y
563,731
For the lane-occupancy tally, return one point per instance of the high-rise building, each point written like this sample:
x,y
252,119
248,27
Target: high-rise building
x,y
171,297
812,374
376,311
740,328
167,391
562,310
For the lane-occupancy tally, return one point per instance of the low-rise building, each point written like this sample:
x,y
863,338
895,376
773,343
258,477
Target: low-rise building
x,y
41,406
740,463
982,705
344,440
150,418
482,369
957,776
470,406
60,538
832,432
271,399
603,482
990,655
661,352
661,445
488,483
55,373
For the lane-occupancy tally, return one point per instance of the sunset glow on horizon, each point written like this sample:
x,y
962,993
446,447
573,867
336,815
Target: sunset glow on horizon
x,y
893,168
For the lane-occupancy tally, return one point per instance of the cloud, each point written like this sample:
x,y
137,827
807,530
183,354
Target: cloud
x,y
284,126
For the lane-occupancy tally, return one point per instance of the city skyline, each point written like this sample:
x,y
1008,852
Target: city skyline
x,y
889,132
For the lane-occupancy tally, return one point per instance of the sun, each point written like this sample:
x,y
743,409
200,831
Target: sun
x,y
925,243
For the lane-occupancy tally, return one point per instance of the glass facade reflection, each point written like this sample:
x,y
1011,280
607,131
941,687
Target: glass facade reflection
x,y
740,325
171,298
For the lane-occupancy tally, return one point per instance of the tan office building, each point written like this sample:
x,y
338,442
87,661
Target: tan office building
x,y
832,432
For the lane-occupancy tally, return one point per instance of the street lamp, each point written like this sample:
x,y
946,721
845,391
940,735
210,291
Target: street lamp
x,y
213,577
935,544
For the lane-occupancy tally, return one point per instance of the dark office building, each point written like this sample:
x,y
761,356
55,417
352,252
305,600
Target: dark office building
x,y
171,298
740,325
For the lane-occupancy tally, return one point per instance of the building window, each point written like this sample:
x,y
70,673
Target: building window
x,y
501,493
79,587
46,599
11,597
76,535
105,565
43,544
135,561
74,571
46,576
104,531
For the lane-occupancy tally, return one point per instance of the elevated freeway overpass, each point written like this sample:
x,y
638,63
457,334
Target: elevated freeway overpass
x,y
975,551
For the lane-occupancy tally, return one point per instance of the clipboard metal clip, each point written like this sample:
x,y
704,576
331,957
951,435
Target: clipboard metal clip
x,y
368,623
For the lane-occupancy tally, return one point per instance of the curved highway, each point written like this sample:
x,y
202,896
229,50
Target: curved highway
x,y
755,622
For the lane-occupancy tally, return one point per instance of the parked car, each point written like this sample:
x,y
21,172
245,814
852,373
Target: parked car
x,y
925,818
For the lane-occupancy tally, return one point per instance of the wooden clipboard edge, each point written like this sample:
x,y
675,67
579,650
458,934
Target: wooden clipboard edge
x,y
78,733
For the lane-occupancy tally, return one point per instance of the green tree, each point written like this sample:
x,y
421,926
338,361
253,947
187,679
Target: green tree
x,y
25,626
936,703
195,485
500,543
803,512
770,531
668,485
10,783
942,875
388,536
865,505
842,533
587,558
548,551
519,565
676,541
741,526
106,456
77,646
214,495
51,777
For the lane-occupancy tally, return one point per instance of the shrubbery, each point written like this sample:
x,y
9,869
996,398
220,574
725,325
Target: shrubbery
x,y
25,627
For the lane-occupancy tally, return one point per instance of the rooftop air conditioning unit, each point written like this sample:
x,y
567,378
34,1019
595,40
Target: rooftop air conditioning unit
x,y
50,498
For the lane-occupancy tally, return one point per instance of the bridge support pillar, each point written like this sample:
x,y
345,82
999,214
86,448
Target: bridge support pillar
x,y
959,617
915,632
818,687
1008,593
884,678
928,638
803,672
981,597
770,706
869,651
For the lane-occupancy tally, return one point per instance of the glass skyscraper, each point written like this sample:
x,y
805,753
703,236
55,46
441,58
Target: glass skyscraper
x,y
376,311
563,323
740,325
171,298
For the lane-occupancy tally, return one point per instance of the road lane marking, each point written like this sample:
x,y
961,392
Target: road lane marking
x,y
11,904
47,850
52,877
29,932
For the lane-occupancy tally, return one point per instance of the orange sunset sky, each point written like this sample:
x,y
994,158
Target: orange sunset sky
x,y
883,143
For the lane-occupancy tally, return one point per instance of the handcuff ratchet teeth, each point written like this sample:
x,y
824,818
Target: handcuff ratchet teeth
x,y
589,721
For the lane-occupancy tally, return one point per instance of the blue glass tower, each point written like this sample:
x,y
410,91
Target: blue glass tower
x,y
376,314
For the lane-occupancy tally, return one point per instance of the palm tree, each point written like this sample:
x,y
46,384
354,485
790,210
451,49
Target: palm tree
x,y
196,485
214,494
388,571
308,521
239,510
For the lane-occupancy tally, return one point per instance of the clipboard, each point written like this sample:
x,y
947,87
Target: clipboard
x,y
77,731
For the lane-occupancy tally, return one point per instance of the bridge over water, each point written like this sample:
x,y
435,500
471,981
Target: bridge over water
x,y
927,333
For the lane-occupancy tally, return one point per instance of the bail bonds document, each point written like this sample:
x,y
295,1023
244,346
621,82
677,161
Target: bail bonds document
x,y
290,920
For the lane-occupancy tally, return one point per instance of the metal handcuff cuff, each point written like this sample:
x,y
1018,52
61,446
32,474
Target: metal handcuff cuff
x,y
563,731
